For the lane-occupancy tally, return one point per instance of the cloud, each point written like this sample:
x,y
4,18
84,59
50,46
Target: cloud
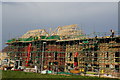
x,y
61,0
0,26
19,17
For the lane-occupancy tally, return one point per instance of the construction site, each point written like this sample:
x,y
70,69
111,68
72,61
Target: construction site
x,y
66,49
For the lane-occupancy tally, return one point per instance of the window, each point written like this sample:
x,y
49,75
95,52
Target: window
x,y
117,68
107,55
95,56
55,55
70,56
20,63
117,57
107,66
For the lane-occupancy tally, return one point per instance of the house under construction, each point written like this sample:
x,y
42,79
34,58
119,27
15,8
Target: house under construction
x,y
67,48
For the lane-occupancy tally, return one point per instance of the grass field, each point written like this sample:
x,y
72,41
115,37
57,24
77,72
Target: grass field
x,y
12,75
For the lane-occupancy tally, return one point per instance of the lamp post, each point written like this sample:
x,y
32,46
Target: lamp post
x,y
42,55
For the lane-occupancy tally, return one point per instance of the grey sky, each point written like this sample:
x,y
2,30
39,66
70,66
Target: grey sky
x,y
0,25
19,17
61,0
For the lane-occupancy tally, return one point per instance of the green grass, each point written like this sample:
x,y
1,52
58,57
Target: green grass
x,y
90,73
18,74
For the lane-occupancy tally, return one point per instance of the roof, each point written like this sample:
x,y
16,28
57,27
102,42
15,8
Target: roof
x,y
33,33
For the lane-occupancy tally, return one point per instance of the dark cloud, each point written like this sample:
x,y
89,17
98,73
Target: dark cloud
x,y
0,26
91,16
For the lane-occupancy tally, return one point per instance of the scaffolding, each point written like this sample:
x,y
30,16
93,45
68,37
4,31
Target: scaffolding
x,y
79,54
